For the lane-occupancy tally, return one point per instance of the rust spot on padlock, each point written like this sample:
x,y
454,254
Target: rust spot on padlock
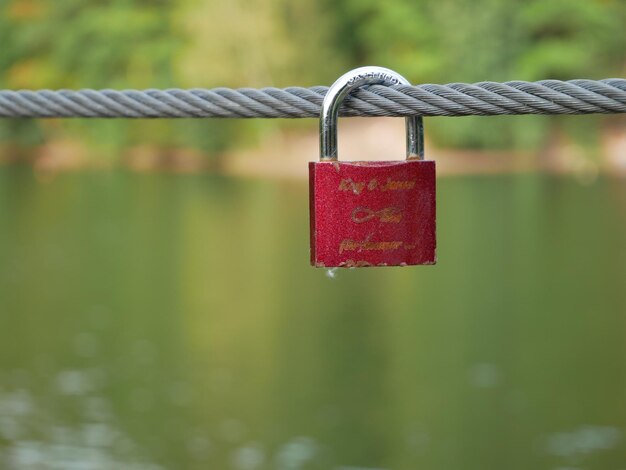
x,y
370,213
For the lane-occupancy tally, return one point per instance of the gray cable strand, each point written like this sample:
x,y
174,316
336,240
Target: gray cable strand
x,y
455,99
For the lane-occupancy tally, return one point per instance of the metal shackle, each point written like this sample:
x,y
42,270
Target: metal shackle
x,y
341,88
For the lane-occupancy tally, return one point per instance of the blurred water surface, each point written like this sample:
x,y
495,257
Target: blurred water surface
x,y
169,322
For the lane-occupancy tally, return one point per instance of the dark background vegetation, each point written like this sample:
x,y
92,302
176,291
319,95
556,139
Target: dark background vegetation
x,y
236,43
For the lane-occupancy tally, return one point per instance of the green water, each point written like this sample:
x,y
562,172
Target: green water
x,y
173,322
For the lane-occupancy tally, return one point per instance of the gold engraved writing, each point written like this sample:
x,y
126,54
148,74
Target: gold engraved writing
x,y
388,214
350,263
357,187
351,186
367,245
391,185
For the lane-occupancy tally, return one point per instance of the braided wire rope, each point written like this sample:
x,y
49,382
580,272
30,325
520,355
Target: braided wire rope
x,y
455,99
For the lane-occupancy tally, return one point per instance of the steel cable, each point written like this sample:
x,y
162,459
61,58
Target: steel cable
x,y
455,99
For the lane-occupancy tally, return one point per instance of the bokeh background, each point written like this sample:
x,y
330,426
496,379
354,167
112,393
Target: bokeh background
x,y
157,310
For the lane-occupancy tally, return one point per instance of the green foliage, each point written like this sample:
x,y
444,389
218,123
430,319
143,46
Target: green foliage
x,y
155,43
477,40
567,38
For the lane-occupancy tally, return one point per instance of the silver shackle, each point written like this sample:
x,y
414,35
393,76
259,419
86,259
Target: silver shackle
x,y
341,88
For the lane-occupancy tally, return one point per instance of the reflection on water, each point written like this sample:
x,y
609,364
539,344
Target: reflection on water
x,y
34,439
166,322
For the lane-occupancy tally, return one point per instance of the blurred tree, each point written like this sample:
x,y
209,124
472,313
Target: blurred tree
x,y
155,43
255,43
104,44
564,39
496,40
86,43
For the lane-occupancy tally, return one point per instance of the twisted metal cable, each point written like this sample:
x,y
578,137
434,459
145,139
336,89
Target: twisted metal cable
x,y
455,99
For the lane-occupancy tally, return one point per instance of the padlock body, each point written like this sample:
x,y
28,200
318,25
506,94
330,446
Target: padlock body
x,y
372,213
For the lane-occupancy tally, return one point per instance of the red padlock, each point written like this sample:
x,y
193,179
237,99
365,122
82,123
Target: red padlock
x,y
370,213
